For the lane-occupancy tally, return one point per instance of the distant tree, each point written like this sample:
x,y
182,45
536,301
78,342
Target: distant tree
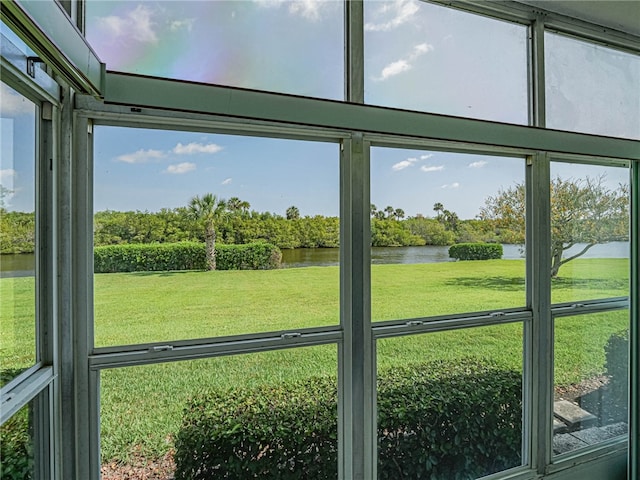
x,y
389,211
373,210
582,211
235,205
438,208
398,213
208,210
293,213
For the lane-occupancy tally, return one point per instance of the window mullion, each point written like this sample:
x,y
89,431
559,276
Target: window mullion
x,y
539,351
354,51
634,328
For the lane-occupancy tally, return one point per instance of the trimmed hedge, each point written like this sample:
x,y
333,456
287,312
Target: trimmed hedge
x,y
439,420
16,439
183,256
475,251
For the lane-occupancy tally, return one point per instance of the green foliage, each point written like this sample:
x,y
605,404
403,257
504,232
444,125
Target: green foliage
x,y
16,447
435,420
17,232
392,233
448,420
617,366
251,256
476,251
286,431
183,256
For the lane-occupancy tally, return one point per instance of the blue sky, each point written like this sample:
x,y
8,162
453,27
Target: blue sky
x,y
417,56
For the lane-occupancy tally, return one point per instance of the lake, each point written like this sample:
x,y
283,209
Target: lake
x,y
23,265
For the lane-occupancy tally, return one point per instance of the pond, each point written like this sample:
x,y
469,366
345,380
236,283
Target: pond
x,y
23,264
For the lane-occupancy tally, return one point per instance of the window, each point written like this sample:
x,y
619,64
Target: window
x,y
18,242
268,412
240,44
591,88
589,232
422,203
420,56
269,196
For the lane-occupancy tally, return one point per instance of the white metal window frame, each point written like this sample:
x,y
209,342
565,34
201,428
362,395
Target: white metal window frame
x,y
146,101
37,385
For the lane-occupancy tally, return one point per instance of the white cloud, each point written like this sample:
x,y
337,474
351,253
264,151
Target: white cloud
x,y
404,164
14,104
405,63
394,15
451,185
308,9
180,168
426,157
141,156
193,148
432,168
186,23
7,173
226,181
394,69
478,164
136,24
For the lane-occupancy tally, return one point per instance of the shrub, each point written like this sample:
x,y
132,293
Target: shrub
x,y
475,251
437,420
617,367
183,256
16,447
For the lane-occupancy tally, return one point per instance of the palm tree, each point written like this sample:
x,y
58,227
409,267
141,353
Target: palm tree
x,y
293,213
208,210
438,208
234,204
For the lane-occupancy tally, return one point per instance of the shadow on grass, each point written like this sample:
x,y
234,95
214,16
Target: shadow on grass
x,y
563,283
171,273
512,284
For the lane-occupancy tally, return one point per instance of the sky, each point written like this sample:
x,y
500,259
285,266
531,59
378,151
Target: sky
x,y
418,56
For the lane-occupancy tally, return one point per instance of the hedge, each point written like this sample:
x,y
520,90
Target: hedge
x,y
438,420
475,251
183,256
16,440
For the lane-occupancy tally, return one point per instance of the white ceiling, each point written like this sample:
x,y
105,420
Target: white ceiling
x,y
621,15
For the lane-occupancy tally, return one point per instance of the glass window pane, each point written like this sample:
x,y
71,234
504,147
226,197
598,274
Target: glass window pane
x,y
589,232
420,56
591,377
591,88
264,414
240,44
17,445
450,403
153,216
422,204
17,234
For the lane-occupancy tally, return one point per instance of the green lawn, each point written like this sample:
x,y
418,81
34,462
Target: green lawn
x,y
142,406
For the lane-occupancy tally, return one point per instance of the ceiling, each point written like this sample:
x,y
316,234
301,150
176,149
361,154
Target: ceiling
x,y
621,15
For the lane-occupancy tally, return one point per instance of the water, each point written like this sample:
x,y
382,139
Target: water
x,y
23,265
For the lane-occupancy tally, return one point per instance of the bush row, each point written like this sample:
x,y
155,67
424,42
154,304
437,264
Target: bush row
x,y
440,420
475,251
16,439
183,256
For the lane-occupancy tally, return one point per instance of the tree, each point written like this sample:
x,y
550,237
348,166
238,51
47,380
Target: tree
x,y
235,205
582,211
208,210
438,208
293,213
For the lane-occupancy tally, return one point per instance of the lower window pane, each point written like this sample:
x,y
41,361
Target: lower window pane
x,y
16,446
261,415
450,403
591,378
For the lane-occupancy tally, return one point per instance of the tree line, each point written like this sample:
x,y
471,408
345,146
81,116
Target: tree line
x,y
583,211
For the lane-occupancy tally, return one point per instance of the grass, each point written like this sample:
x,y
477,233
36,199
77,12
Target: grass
x,y
141,406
